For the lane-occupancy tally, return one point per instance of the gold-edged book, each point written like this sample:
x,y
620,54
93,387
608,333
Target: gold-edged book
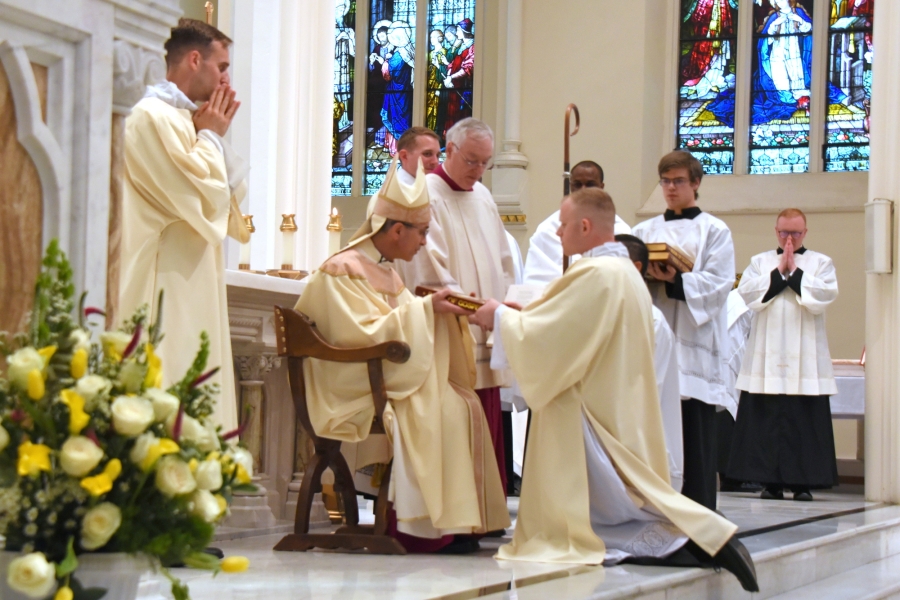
x,y
663,253
465,302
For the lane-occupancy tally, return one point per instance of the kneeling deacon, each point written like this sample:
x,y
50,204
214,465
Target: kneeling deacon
x,y
445,479
602,494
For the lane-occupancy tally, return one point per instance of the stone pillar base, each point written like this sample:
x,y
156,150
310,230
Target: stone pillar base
x,y
250,510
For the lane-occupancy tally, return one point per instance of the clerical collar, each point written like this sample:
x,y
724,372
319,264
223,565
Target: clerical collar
x,y
799,250
687,213
440,172
169,93
607,249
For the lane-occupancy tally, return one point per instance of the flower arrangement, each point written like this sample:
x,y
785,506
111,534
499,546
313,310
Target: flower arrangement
x,y
95,456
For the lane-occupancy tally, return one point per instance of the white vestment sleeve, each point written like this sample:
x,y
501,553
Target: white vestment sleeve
x,y
236,167
706,290
754,285
498,354
665,362
819,289
544,261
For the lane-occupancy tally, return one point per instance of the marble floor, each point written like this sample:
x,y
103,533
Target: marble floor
x,y
766,527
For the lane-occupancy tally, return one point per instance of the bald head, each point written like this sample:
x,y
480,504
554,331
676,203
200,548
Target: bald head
x,y
587,219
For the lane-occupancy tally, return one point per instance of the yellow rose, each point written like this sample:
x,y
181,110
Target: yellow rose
x,y
154,369
205,506
102,483
235,564
78,419
33,458
78,364
79,455
99,525
131,415
36,385
174,477
31,575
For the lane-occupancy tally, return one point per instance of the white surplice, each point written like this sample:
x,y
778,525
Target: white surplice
x,y
787,351
545,254
739,319
665,363
700,323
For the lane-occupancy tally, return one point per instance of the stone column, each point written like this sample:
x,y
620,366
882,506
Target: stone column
x,y
251,509
134,68
882,443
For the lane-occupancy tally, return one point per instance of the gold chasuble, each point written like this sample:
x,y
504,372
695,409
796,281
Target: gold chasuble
x,y
601,376
445,478
176,209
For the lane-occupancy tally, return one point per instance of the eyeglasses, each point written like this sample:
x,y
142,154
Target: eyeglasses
x,y
486,165
794,234
678,182
423,230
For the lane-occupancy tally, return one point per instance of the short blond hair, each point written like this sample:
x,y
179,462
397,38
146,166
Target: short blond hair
x,y
598,201
790,213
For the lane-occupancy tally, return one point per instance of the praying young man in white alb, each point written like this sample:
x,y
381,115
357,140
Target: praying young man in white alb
x,y
415,145
544,262
467,251
694,304
665,363
445,482
783,436
182,186
603,495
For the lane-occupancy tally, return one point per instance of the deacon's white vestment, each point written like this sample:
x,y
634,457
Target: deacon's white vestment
x,y
545,254
739,319
180,199
612,483
787,351
665,363
466,251
445,479
700,322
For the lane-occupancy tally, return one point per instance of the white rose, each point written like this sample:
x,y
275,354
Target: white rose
x,y
141,446
31,575
91,388
173,477
81,340
4,438
210,442
243,458
194,432
99,524
209,475
205,506
115,341
79,455
131,376
131,415
21,363
164,403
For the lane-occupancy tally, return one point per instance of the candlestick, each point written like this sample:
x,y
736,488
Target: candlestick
x,y
209,12
288,228
244,261
334,232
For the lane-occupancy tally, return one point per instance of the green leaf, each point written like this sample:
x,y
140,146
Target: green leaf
x,y
201,560
69,563
79,592
180,591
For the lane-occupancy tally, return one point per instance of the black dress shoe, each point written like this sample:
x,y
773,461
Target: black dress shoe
x,y
735,558
461,545
215,552
497,533
772,494
803,496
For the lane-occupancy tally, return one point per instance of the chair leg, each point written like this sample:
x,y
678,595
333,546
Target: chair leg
x,y
381,503
312,483
343,485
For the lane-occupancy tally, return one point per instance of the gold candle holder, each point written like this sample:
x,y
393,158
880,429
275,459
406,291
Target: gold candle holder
x,y
288,229
244,262
334,231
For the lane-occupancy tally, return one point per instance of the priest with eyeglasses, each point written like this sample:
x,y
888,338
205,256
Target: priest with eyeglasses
x,y
783,435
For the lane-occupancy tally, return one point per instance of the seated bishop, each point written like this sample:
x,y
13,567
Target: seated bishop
x,y
445,483
603,495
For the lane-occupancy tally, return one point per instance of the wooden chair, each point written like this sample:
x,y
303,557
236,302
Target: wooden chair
x,y
298,339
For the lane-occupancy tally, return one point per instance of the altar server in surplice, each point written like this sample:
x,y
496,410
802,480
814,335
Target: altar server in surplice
x,y
445,478
467,250
665,363
694,304
596,484
544,262
182,185
783,436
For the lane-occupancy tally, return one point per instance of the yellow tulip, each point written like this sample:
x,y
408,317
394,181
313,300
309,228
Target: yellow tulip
x,y
47,353
64,593
223,504
242,475
193,464
35,384
79,363
235,564
33,458
162,447
78,419
153,379
102,483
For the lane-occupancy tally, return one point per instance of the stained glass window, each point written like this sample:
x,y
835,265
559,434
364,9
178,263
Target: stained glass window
x,y
451,64
780,86
342,130
849,73
389,87
706,79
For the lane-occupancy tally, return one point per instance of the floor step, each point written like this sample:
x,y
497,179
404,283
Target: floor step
x,y
875,581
